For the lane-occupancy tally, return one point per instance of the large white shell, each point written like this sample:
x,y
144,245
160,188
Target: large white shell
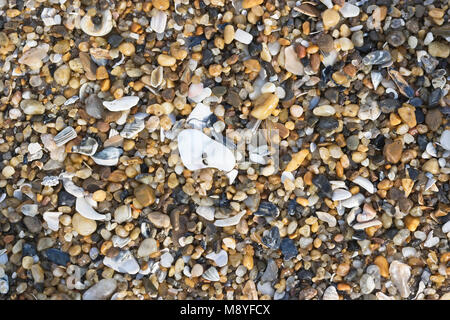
x,y
365,225
83,208
353,201
206,212
122,104
101,30
198,151
159,21
198,116
72,188
221,258
108,156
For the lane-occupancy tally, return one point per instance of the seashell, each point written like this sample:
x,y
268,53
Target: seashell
x,y
431,149
124,262
338,184
71,100
30,210
377,57
391,90
206,212
159,21
341,194
88,146
199,115
367,214
86,90
108,156
198,151
50,181
157,77
120,242
122,104
232,175
130,130
64,136
97,30
365,183
353,201
365,225
84,208
72,188
401,84
232,221
211,274
326,217
381,296
52,219
352,215
376,78
221,258
400,273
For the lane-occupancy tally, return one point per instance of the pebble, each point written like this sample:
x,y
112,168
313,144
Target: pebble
x,y
83,225
102,290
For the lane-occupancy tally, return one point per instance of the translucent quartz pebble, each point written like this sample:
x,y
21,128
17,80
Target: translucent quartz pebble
x,y
243,36
349,10
198,151
102,290
88,146
400,273
377,57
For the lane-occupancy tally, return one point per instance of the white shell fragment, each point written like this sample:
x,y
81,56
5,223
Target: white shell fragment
x,y
198,151
365,225
97,30
364,183
353,201
124,262
84,208
108,156
158,22
198,116
221,258
88,146
341,194
211,274
64,136
130,130
52,219
122,104
206,212
230,221
326,217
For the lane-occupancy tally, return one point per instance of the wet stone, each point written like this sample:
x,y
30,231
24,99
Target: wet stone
x,y
288,249
57,256
267,209
272,239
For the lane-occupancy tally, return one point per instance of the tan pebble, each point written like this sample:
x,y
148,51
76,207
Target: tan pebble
x,y
99,196
408,115
264,105
383,265
127,48
82,225
330,18
166,60
144,195
228,34
412,223
297,160
247,4
161,4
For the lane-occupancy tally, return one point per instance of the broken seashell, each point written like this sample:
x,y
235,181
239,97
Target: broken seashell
x,y
157,77
365,225
206,212
50,181
64,136
341,194
365,183
211,274
198,151
108,156
130,130
367,214
85,209
52,219
221,258
230,221
30,210
97,30
88,146
122,104
159,21
71,187
354,201
124,262
376,78
197,118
